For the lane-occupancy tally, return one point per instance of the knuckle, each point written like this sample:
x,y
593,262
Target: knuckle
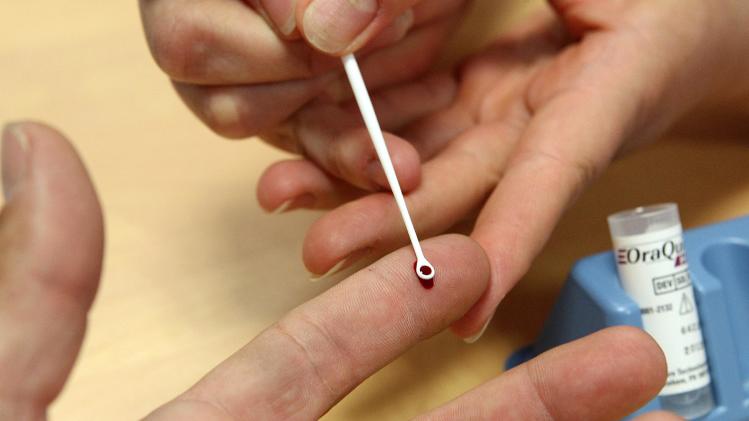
x,y
224,114
544,406
224,111
325,362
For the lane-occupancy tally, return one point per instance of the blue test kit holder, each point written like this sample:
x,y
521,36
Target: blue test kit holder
x,y
593,299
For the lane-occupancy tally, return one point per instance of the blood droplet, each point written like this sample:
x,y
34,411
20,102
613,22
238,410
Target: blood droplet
x,y
426,271
427,283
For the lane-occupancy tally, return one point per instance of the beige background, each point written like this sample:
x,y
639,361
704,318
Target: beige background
x,y
194,269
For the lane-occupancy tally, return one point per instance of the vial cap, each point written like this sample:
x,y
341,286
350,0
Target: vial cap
x,y
644,219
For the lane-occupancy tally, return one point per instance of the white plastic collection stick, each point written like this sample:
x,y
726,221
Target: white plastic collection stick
x,y
424,269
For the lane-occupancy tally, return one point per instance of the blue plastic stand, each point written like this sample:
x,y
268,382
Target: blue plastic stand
x,y
592,299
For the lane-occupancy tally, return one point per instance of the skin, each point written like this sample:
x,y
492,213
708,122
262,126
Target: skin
x,y
51,236
538,116
527,124
226,74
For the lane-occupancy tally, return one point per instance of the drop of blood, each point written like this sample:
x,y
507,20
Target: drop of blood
x,y
426,271
427,283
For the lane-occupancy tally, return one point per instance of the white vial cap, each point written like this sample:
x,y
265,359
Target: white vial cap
x,y
644,219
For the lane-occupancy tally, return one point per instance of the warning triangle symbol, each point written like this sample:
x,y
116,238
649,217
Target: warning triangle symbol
x,y
686,305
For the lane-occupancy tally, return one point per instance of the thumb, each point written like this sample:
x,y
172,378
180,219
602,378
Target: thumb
x,y
343,26
51,242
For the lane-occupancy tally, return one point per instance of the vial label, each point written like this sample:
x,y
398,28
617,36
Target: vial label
x,y
654,271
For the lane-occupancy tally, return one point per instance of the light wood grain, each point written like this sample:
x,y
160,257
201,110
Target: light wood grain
x,y
194,269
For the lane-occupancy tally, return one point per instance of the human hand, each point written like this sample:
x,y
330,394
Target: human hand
x,y
538,116
243,74
51,238
51,246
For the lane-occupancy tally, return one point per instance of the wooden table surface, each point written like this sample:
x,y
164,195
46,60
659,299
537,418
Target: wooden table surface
x,y
194,269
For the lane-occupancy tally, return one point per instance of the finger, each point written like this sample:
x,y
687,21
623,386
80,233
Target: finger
x,y
295,184
403,104
391,34
334,138
342,26
581,17
432,133
281,14
489,92
402,62
304,364
478,156
396,106
427,11
559,154
424,13
490,83
242,111
51,238
190,47
453,184
604,376
352,157
224,43
291,185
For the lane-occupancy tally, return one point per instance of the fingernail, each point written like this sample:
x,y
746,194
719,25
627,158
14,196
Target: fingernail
x,y
335,269
15,159
283,208
281,13
306,200
477,336
333,25
341,265
395,32
376,174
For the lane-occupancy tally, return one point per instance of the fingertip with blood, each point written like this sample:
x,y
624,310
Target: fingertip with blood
x,y
425,272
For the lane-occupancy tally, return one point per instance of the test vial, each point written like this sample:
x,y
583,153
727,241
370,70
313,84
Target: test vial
x,y
652,265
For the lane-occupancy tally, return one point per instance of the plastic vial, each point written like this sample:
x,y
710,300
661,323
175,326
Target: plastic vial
x,y
651,260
